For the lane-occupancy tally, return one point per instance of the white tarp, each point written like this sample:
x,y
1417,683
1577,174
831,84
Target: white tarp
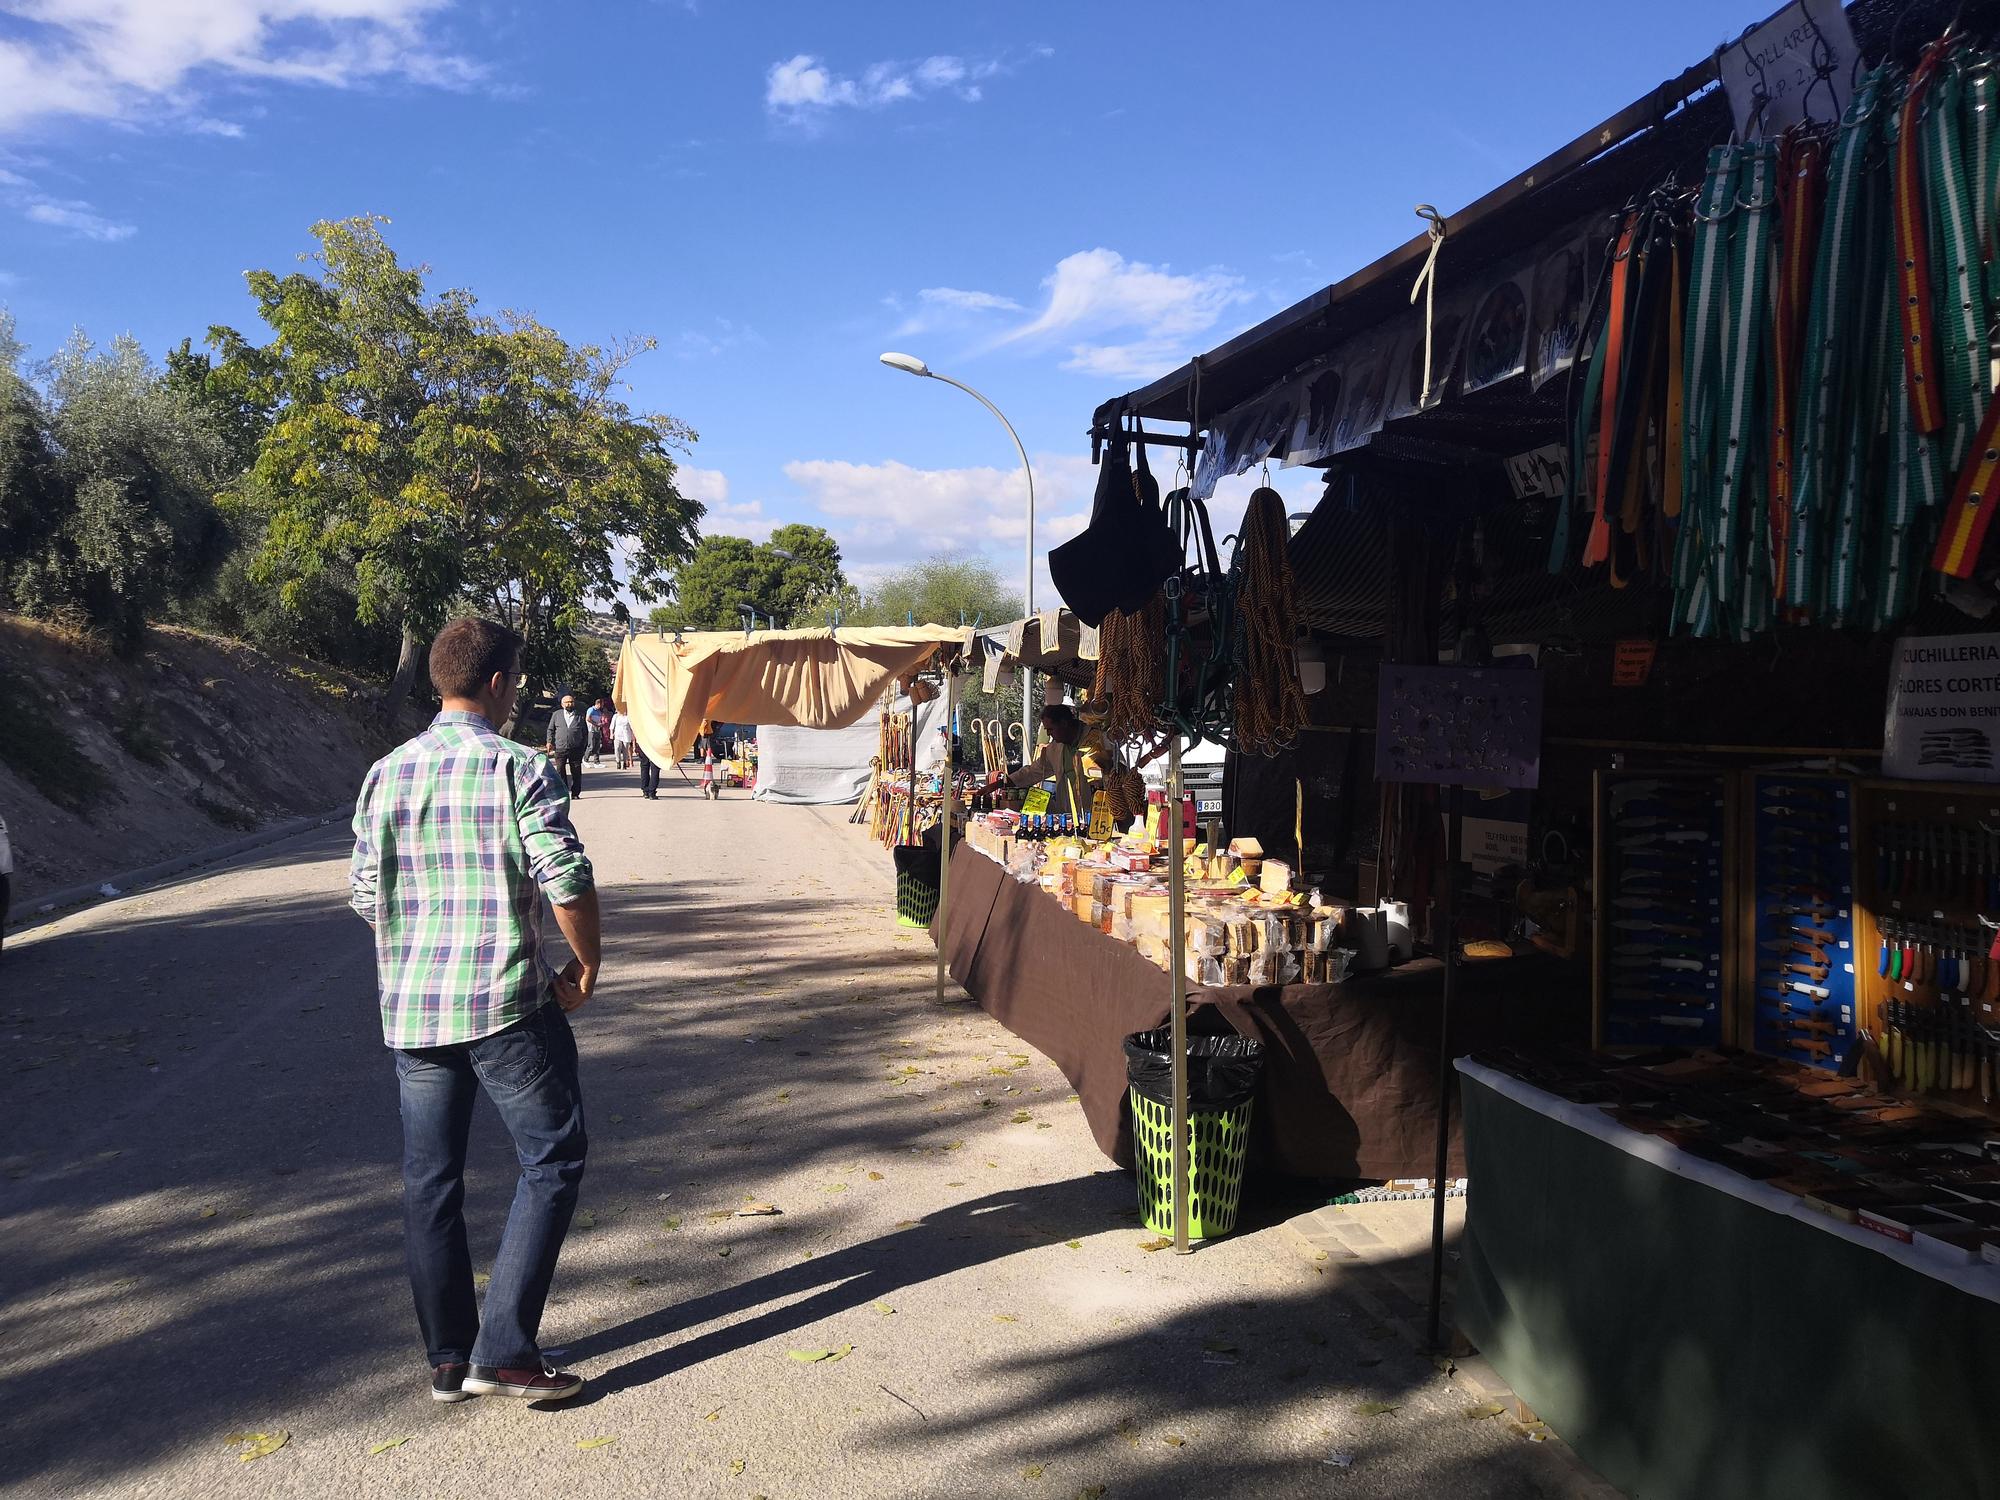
x,y
830,766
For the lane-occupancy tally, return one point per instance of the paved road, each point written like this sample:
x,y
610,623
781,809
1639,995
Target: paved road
x,y
199,1231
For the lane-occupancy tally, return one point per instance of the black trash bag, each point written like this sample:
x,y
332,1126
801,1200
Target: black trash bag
x,y
1222,1070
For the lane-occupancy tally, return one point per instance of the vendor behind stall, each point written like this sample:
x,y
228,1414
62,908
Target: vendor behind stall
x,y
1075,756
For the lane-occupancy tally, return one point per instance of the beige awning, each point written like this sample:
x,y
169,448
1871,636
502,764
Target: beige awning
x,y
813,679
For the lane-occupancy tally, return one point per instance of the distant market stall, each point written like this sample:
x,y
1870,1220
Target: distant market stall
x,y
810,679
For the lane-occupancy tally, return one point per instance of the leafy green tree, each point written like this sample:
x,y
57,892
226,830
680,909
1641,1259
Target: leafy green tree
x,y
785,578
107,472
941,590
441,458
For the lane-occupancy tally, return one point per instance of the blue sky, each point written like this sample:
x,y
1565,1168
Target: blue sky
x,y
1052,202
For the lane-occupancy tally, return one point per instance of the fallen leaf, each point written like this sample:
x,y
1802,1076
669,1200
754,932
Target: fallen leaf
x,y
836,1187
1075,1244
586,1444
261,1444
586,1220
481,1278
953,1146
737,1465
670,1225
207,1211
1033,1471
907,1223
1022,1117
617,1119
1149,1246
380,1448
758,1211
1375,1408
1005,1318
875,1177
820,1356
723,1213
638,1281
1129,1430
1173,1440
783,1095
884,1309
723,1252
1483,1410
713,1415
1091,1492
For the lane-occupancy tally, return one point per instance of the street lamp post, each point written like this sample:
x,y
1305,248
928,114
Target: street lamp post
x,y
911,365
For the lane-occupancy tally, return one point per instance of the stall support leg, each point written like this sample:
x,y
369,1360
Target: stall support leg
x,y
1170,824
950,771
1454,819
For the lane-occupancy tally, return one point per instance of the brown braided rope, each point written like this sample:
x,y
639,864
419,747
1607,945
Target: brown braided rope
x,y
1270,705
1131,668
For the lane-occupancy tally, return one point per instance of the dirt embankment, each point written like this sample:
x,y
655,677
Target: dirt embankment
x,y
109,765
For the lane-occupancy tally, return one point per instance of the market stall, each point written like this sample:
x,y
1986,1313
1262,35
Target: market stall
x,y
1694,425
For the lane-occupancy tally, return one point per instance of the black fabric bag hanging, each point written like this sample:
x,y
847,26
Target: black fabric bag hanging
x,y
1125,552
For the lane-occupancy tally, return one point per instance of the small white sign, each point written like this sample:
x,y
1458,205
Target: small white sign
x,y
1799,65
1488,843
1540,471
1944,709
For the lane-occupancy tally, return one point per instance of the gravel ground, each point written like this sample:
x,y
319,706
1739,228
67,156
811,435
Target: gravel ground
x,y
200,1235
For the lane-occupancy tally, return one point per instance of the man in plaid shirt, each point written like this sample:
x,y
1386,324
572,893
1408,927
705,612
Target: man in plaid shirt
x,y
458,834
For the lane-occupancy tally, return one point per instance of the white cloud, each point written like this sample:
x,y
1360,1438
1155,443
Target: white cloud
x,y
77,217
709,486
1100,292
1140,361
113,59
721,336
203,125
803,90
951,296
891,512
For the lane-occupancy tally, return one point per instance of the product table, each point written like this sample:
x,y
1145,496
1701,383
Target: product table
x,y
1697,1335
1349,1087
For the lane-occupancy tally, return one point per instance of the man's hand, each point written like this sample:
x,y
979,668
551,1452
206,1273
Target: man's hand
x,y
574,985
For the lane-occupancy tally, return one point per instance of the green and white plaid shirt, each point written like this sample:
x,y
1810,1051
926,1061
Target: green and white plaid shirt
x,y
457,833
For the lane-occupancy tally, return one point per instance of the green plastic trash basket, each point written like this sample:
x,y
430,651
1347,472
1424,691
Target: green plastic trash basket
x,y
916,885
1222,1085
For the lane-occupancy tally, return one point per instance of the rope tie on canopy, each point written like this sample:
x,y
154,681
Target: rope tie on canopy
x,y
1426,286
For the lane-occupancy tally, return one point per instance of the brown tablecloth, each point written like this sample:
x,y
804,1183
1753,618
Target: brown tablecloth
x,y
1349,1086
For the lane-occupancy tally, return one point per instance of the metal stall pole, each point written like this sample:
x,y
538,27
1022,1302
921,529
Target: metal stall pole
x,y
944,827
1454,820
1170,823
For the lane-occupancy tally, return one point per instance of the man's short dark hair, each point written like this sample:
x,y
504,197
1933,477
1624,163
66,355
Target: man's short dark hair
x,y
1059,713
468,652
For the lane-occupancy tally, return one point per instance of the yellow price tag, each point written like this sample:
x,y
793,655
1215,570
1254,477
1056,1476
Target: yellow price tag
x,y
1100,816
1037,801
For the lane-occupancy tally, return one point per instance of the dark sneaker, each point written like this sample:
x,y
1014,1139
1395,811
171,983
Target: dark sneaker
x,y
542,1383
448,1383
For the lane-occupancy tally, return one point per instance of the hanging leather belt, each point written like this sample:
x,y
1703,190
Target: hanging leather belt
x,y
1801,164
1913,253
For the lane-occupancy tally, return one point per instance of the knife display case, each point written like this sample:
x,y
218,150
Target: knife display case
x,y
1663,927
1929,975
1799,945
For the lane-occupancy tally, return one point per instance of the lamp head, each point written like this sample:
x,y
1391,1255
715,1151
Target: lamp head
x,y
908,363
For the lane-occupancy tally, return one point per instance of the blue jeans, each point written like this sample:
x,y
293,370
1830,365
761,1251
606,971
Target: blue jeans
x,y
529,1071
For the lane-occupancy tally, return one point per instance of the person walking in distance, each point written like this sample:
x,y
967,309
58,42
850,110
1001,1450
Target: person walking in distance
x,y
600,729
458,834
623,740
567,738
649,773
6,876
